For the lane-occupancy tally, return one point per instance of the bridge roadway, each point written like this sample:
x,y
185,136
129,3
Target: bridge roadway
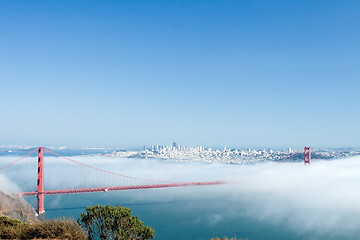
x,y
121,188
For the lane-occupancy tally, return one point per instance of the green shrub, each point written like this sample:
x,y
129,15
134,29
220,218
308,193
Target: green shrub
x,y
109,222
13,228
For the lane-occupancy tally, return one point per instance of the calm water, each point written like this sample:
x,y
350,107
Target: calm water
x,y
174,219
200,218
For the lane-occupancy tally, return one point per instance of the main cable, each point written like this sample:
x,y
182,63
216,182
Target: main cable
x,y
103,170
19,159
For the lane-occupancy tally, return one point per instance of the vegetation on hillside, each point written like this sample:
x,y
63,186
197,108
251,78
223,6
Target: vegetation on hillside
x,y
97,222
109,222
52,229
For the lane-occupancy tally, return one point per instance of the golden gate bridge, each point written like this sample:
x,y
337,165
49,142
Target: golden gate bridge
x,y
151,183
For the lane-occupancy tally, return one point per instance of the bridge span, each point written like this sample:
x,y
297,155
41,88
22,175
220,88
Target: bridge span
x,y
41,192
122,188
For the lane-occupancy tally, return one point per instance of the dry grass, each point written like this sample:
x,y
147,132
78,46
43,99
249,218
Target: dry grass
x,y
52,229
13,228
59,229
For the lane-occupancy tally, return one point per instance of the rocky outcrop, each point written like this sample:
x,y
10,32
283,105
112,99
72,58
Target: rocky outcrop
x,y
15,207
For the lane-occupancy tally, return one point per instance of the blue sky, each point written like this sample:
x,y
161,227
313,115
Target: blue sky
x,y
212,73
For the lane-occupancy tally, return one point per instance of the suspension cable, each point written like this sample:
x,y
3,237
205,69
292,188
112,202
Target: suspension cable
x,y
17,160
103,170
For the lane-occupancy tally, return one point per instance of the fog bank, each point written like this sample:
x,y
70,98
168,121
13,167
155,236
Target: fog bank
x,y
321,198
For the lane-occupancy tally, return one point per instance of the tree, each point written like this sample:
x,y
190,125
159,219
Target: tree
x,y
109,222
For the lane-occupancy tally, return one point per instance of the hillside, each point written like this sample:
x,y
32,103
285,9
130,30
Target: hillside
x,y
15,207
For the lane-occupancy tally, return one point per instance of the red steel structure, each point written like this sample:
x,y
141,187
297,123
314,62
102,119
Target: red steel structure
x,y
40,182
307,155
121,188
40,193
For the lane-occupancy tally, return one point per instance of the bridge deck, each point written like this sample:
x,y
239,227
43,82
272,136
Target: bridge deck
x,y
121,188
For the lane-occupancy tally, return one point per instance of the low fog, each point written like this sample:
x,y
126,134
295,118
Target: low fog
x,y
7,185
323,197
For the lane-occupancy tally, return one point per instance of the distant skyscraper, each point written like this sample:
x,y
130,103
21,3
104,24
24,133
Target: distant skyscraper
x,y
175,145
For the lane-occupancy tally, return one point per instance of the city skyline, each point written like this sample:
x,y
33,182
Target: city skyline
x,y
132,73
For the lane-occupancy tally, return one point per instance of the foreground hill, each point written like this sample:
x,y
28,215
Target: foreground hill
x,y
15,207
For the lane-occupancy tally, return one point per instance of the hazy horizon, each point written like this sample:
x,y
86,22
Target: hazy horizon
x,y
140,147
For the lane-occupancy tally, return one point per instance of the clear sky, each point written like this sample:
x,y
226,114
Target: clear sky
x,y
211,73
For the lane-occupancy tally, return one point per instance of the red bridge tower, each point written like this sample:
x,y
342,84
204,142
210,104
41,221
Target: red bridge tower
x,y
40,182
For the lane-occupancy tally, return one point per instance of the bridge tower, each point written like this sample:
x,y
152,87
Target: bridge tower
x,y
307,155
40,182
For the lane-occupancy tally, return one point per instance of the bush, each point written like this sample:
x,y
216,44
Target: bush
x,y
109,222
60,228
104,222
13,228
53,229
